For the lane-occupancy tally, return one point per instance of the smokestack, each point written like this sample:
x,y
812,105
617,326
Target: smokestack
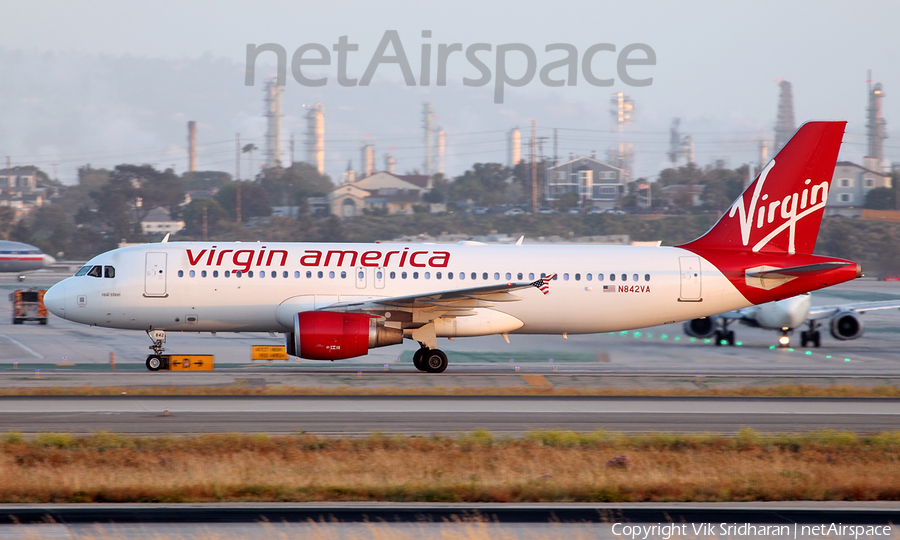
x,y
441,145
273,131
877,126
515,147
785,126
315,136
389,163
367,160
192,146
428,124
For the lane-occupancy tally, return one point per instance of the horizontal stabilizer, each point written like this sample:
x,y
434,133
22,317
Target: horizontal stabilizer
x,y
797,271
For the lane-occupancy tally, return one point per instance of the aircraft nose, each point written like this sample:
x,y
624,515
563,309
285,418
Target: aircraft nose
x,y
48,260
55,299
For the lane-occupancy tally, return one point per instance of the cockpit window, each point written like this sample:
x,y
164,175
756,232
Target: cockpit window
x,y
83,270
109,271
96,271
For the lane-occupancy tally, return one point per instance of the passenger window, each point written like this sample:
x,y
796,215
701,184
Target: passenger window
x,y
484,276
462,275
646,277
285,274
83,270
427,275
343,274
437,275
215,273
508,276
379,274
577,277
96,271
393,275
275,274
519,275
589,276
624,277
449,275
634,278
403,275
320,274
331,274
566,277
496,275
415,275
110,272
361,275
180,273
191,273
531,276
203,273
308,274
227,273
239,273
474,275
250,273
612,277
600,277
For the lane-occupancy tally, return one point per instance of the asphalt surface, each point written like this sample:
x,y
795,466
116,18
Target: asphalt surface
x,y
360,415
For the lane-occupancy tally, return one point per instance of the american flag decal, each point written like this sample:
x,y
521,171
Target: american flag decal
x,y
544,283
609,288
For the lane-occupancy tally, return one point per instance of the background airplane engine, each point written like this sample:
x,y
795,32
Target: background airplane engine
x,y
846,326
702,328
325,335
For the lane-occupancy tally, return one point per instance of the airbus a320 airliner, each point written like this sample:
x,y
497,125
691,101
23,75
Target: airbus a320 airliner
x,y
335,301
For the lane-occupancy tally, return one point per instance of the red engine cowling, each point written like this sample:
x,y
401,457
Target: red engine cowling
x,y
325,335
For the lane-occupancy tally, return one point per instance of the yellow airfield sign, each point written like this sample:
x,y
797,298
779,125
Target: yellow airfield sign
x,y
191,362
268,352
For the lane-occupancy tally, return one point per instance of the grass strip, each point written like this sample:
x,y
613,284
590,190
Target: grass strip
x,y
545,466
780,390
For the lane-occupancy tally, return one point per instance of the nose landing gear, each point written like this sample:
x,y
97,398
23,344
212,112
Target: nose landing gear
x,y
154,361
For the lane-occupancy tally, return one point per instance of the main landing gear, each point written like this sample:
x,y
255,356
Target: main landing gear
x,y
154,361
430,360
811,336
724,335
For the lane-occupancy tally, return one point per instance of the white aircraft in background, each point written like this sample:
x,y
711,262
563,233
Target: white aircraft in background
x,y
787,315
19,257
335,301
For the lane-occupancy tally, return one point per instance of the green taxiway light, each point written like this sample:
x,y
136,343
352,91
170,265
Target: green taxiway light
x,y
693,339
705,341
791,349
846,359
677,338
663,337
808,353
827,356
771,347
637,334
739,344
723,342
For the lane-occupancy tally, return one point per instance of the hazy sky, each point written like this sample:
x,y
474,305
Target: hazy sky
x,y
716,66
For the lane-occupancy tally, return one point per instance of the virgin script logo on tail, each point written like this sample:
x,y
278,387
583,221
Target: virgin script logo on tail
x,y
761,214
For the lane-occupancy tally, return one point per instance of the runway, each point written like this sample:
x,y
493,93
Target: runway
x,y
423,415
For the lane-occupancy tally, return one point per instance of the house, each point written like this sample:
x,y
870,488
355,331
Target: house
x,y
391,193
850,185
682,195
596,183
159,221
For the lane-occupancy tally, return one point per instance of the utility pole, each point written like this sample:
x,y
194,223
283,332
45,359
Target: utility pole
x,y
204,224
292,150
533,168
555,148
238,213
8,183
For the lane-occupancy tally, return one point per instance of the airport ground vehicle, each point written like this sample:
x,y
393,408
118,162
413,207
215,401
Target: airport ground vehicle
x,y
28,305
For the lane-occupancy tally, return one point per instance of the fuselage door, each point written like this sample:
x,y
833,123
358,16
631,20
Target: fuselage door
x,y
155,275
361,275
690,279
379,278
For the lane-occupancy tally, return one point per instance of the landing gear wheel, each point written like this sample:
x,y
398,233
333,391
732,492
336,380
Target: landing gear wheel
x,y
720,337
804,338
418,359
154,362
816,338
435,361
729,337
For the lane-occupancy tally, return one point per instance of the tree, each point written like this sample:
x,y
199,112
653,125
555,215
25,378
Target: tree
x,y
205,180
50,228
254,200
881,198
193,216
289,186
132,192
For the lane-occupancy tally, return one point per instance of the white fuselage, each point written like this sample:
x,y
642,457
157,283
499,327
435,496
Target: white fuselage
x,y
196,286
784,314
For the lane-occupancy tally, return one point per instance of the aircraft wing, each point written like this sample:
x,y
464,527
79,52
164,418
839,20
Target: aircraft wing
x,y
739,314
449,303
825,312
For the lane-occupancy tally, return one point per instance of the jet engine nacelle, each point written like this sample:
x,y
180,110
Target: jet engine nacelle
x,y
704,327
846,325
325,335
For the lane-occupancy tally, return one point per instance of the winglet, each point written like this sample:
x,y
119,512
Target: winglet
x,y
519,241
544,283
165,240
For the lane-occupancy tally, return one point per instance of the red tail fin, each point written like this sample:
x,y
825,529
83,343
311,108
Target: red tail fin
x,y
780,212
